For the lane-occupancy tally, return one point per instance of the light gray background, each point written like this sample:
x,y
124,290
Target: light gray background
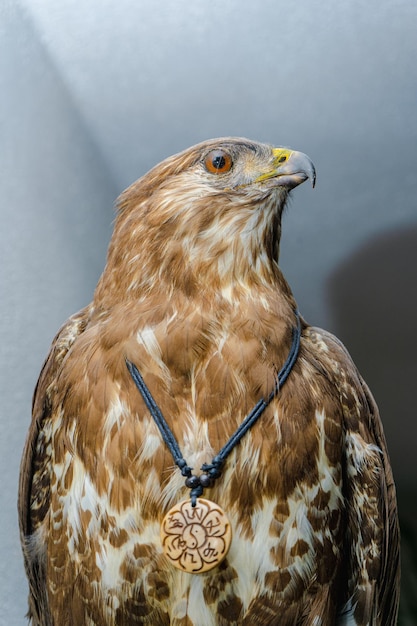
x,y
92,94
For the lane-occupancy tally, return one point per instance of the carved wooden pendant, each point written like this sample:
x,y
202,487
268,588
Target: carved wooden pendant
x,y
196,539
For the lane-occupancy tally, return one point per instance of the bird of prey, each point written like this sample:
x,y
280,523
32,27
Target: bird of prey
x,y
199,455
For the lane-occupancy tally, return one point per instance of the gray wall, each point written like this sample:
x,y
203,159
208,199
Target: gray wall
x,y
95,93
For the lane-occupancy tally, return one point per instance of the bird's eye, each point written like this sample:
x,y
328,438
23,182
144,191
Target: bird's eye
x,y
218,162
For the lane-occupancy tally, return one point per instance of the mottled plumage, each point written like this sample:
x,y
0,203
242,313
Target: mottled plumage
x,y
193,295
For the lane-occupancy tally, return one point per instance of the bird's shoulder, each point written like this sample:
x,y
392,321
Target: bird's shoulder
x,y
324,352
328,353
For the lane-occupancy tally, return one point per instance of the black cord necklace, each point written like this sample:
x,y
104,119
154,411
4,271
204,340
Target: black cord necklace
x,y
196,534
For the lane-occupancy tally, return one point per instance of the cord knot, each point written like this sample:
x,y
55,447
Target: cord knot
x,y
213,469
182,464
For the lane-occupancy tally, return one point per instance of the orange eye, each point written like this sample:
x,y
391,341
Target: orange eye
x,y
218,162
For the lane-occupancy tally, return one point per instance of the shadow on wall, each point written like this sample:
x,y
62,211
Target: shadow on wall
x,y
373,301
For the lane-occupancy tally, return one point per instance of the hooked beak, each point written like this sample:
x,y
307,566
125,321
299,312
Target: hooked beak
x,y
290,168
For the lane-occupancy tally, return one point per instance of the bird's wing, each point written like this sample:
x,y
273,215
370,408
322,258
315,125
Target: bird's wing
x,y
35,469
372,539
388,583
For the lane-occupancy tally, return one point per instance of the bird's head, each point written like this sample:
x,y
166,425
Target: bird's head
x,y
209,214
253,169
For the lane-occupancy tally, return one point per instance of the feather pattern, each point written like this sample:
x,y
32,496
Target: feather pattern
x,y
193,295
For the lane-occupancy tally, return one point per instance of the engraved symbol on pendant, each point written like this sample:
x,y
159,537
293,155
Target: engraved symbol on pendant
x,y
196,539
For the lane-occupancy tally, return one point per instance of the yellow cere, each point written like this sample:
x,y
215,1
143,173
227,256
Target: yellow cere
x,y
281,156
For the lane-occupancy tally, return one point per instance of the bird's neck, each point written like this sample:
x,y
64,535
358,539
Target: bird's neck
x,y
235,253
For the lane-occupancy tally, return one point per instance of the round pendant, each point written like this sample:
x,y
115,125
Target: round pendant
x,y
196,539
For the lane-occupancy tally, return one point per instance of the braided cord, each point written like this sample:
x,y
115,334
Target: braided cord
x,y
260,407
166,432
213,469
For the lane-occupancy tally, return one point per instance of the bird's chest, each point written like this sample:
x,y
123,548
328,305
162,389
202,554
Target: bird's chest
x,y
280,485
282,499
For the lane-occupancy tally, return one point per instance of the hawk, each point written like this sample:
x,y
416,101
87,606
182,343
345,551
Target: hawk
x,y
199,455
